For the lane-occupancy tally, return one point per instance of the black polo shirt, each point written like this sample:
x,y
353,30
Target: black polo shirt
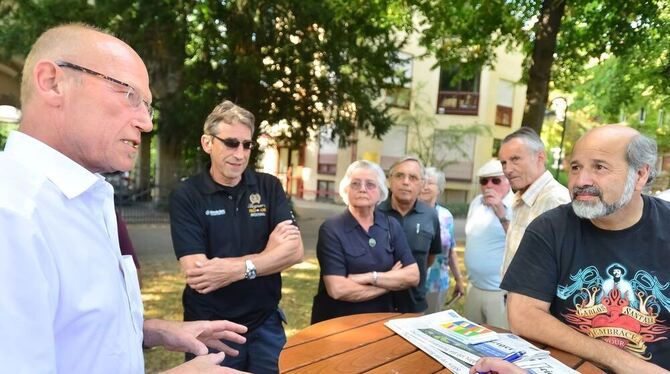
x,y
422,229
217,221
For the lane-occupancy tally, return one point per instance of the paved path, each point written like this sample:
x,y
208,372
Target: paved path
x,y
153,242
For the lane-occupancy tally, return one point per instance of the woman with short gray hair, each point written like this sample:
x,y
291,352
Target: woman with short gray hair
x,y
437,275
363,254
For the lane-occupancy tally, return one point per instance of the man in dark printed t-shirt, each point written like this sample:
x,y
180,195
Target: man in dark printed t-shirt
x,y
593,277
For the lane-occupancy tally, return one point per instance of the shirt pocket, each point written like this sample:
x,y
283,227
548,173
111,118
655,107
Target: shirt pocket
x,y
421,242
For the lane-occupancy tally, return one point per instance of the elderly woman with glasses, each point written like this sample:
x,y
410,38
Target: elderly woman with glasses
x,y
437,278
363,254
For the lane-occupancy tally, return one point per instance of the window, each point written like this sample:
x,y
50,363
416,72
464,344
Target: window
x,y
394,146
457,95
400,95
505,103
327,162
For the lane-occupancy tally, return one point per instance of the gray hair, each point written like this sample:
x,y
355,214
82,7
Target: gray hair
x,y
380,179
440,178
228,113
641,151
408,158
530,138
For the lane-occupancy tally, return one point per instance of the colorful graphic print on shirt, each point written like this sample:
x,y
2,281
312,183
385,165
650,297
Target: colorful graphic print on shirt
x,y
617,309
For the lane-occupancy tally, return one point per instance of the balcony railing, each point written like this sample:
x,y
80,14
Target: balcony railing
x,y
457,102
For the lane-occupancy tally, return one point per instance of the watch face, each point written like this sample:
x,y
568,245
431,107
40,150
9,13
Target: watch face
x,y
251,270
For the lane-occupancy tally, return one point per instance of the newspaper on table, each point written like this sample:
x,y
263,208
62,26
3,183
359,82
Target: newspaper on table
x,y
428,334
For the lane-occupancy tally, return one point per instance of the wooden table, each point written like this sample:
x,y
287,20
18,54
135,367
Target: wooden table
x,y
362,344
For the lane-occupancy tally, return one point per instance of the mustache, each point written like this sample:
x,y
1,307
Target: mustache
x,y
586,190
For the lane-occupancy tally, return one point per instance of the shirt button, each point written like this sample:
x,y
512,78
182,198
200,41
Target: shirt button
x,y
230,197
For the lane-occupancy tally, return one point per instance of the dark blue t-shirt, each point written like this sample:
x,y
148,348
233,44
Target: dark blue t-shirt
x,y
218,221
611,285
345,248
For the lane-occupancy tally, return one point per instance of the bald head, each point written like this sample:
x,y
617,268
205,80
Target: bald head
x,y
80,42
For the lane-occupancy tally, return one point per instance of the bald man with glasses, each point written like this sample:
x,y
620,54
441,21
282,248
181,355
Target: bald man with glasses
x,y
70,301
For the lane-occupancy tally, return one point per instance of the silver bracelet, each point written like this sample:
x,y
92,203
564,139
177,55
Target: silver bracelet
x,y
375,277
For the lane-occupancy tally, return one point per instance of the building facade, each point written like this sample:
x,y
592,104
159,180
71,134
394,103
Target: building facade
x,y
431,106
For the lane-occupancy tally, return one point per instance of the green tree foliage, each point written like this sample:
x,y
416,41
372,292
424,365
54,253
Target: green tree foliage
x,y
559,37
297,65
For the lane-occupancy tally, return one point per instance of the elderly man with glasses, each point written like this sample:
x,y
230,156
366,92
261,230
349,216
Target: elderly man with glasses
x,y
485,228
419,222
233,233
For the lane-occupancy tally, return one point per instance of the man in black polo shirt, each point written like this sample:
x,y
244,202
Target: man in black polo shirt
x,y
420,223
233,234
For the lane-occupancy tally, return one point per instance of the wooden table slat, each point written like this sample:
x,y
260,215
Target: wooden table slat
x,y
331,345
409,364
363,358
337,325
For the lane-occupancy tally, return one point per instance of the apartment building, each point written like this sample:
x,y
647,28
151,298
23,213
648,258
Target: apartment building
x,y
493,99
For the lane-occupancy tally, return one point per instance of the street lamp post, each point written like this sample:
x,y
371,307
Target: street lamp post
x,y
564,124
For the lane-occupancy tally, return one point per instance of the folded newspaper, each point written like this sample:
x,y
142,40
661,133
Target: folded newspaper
x,y
434,334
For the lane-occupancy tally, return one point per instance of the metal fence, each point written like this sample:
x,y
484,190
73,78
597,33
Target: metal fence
x,y
140,207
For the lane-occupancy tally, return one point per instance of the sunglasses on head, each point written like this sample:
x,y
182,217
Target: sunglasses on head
x,y
234,143
485,181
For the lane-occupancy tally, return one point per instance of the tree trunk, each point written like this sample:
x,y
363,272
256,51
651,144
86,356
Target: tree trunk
x,y
168,167
144,166
539,74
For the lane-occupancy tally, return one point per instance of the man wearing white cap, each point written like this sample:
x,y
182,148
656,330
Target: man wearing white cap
x,y
488,217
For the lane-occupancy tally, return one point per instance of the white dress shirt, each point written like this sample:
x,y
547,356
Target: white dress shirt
x,y
69,302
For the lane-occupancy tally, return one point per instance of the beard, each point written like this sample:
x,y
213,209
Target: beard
x,y
600,208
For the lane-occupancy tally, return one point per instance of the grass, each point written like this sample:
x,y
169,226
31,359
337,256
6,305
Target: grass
x,y
162,285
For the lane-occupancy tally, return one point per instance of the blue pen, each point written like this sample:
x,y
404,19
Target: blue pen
x,y
514,356
509,358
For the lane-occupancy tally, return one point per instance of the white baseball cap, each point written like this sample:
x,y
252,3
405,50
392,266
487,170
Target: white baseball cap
x,y
492,168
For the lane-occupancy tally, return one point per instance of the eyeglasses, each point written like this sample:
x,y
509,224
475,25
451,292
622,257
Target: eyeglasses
x,y
133,98
233,143
402,176
357,185
485,181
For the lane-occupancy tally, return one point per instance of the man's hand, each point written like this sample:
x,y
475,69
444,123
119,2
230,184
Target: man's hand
x,y
208,364
492,199
210,275
284,231
194,336
495,365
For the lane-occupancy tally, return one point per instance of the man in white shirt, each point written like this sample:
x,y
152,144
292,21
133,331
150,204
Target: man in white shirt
x,y
536,191
488,218
70,301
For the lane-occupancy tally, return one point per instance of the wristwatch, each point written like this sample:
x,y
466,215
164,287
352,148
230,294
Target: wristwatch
x,y
250,273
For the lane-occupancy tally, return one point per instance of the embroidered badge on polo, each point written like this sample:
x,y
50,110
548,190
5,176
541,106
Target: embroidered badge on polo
x,y
256,209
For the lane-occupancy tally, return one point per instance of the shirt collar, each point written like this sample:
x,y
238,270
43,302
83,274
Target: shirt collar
x,y
418,207
350,223
533,191
67,175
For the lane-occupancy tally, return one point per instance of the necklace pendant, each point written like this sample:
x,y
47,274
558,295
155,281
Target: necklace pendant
x,y
372,242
